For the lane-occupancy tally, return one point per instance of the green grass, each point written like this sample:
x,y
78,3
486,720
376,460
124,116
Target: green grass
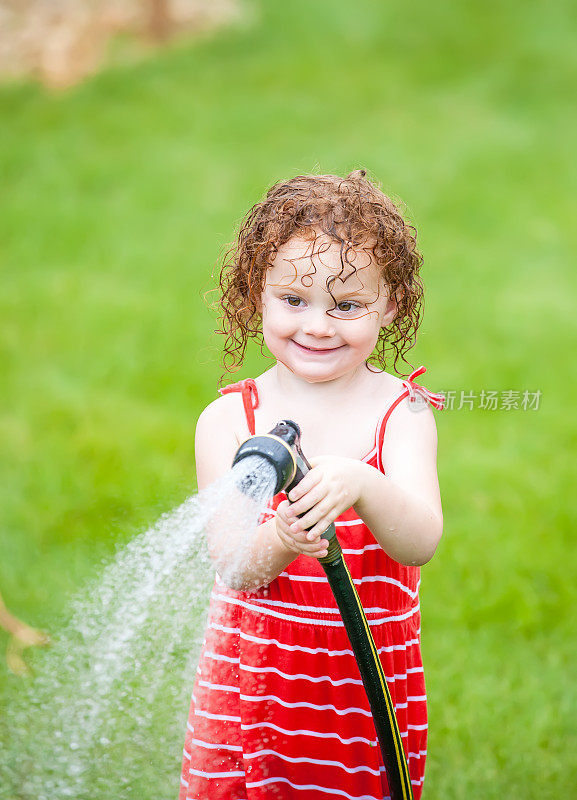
x,y
117,197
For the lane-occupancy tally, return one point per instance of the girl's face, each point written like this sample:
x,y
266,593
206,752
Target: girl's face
x,y
321,318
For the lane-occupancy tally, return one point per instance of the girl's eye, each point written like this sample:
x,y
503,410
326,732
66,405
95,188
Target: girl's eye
x,y
346,305
292,300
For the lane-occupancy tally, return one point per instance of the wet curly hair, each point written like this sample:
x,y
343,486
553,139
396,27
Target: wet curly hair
x,y
352,211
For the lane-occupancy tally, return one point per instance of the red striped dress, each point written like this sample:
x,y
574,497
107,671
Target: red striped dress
x,y
278,708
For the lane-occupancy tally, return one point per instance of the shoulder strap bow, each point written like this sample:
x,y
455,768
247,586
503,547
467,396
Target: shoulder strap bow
x,y
435,399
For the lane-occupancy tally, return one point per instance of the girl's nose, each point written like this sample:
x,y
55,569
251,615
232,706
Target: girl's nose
x,y
318,323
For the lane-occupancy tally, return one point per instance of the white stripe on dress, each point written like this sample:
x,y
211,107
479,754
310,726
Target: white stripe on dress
x,y
330,610
360,551
321,678
218,746
357,581
221,657
310,679
312,650
308,760
220,717
309,787
281,645
339,523
306,732
201,774
302,676
220,687
328,707
309,620
349,523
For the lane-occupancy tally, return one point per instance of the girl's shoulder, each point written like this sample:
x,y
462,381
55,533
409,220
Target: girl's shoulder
x,y
224,416
384,384
220,429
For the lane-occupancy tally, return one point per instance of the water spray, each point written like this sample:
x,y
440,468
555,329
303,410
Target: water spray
x,y
281,448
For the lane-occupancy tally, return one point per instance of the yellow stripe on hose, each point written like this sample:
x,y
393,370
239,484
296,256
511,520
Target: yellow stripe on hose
x,y
401,761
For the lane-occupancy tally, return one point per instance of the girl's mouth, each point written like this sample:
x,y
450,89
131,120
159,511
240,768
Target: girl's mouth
x,y
316,350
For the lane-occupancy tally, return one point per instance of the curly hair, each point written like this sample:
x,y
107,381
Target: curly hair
x,y
351,211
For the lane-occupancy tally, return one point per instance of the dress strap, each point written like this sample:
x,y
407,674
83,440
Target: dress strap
x,y
249,393
416,394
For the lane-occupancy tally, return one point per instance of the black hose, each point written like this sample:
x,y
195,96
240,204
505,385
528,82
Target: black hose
x,y
371,670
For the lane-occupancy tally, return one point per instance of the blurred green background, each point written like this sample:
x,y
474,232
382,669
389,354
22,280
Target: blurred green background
x,y
117,197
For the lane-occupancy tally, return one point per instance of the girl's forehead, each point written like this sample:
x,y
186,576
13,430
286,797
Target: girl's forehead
x,y
321,258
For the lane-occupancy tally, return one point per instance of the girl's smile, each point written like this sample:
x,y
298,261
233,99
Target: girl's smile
x,y
322,316
317,350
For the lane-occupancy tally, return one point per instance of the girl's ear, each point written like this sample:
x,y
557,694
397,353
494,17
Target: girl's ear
x,y
391,309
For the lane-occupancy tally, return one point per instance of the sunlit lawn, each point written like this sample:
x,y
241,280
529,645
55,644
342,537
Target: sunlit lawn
x,y
117,198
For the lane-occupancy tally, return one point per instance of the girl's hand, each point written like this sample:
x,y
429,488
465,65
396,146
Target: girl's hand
x,y
333,485
297,542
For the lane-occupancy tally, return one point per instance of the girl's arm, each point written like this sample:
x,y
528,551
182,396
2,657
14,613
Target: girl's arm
x,y
402,508
244,560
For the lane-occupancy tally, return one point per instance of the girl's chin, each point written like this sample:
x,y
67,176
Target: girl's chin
x,y
312,373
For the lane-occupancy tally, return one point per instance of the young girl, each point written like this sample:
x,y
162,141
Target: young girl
x,y
327,270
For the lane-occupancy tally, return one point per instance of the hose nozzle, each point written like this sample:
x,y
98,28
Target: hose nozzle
x,y
281,448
